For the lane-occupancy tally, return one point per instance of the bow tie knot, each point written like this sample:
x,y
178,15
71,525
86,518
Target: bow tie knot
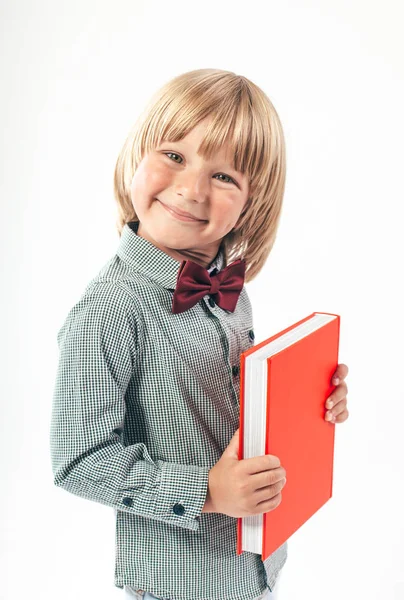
x,y
214,288
194,282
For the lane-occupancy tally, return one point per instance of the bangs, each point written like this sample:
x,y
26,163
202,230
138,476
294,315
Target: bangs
x,y
234,125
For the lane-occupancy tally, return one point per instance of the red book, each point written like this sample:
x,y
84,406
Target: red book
x,y
284,383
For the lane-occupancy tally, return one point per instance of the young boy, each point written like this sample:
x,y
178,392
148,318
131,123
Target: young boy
x,y
146,402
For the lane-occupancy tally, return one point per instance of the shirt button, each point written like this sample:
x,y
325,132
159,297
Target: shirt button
x,y
235,369
178,509
127,501
251,334
211,302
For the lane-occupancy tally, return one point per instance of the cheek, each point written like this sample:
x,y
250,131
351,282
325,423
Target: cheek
x,y
227,213
148,181
154,178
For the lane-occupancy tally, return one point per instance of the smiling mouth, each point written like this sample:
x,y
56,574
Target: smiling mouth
x,y
180,216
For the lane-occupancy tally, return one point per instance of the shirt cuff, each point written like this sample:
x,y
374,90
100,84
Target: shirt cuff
x,y
181,494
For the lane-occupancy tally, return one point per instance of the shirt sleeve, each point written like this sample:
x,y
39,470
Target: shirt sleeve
x,y
98,349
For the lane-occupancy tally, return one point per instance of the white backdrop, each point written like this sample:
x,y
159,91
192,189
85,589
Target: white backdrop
x,y
75,76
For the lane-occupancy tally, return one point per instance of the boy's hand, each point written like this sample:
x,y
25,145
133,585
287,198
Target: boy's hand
x,y
239,488
338,400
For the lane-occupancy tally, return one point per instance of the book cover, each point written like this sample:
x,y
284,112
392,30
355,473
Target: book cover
x,y
282,409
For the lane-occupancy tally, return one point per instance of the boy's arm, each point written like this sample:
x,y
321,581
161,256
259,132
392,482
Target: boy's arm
x,y
98,351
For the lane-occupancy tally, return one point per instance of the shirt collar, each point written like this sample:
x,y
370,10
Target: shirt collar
x,y
146,258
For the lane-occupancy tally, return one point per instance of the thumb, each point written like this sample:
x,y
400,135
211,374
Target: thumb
x,y
232,449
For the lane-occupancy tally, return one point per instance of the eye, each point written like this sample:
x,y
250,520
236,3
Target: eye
x,y
231,180
172,153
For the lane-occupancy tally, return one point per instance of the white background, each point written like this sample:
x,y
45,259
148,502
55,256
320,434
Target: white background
x,y
75,76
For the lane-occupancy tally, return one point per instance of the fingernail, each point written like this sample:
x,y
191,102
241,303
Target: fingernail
x,y
336,380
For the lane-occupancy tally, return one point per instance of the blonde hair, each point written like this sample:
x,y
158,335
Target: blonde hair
x,y
243,117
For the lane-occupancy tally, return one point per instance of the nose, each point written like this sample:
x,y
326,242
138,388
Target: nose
x,y
192,186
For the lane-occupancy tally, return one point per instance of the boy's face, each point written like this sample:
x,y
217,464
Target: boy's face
x,y
174,175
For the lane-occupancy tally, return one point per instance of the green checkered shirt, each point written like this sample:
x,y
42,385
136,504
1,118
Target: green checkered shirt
x,y
145,403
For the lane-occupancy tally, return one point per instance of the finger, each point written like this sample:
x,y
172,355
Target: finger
x,y
336,410
338,394
340,373
339,408
342,417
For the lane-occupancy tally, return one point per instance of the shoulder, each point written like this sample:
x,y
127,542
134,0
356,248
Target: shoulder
x,y
117,278
114,294
106,310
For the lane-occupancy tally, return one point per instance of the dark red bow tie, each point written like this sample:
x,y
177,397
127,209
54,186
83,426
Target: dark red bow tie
x,y
194,282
